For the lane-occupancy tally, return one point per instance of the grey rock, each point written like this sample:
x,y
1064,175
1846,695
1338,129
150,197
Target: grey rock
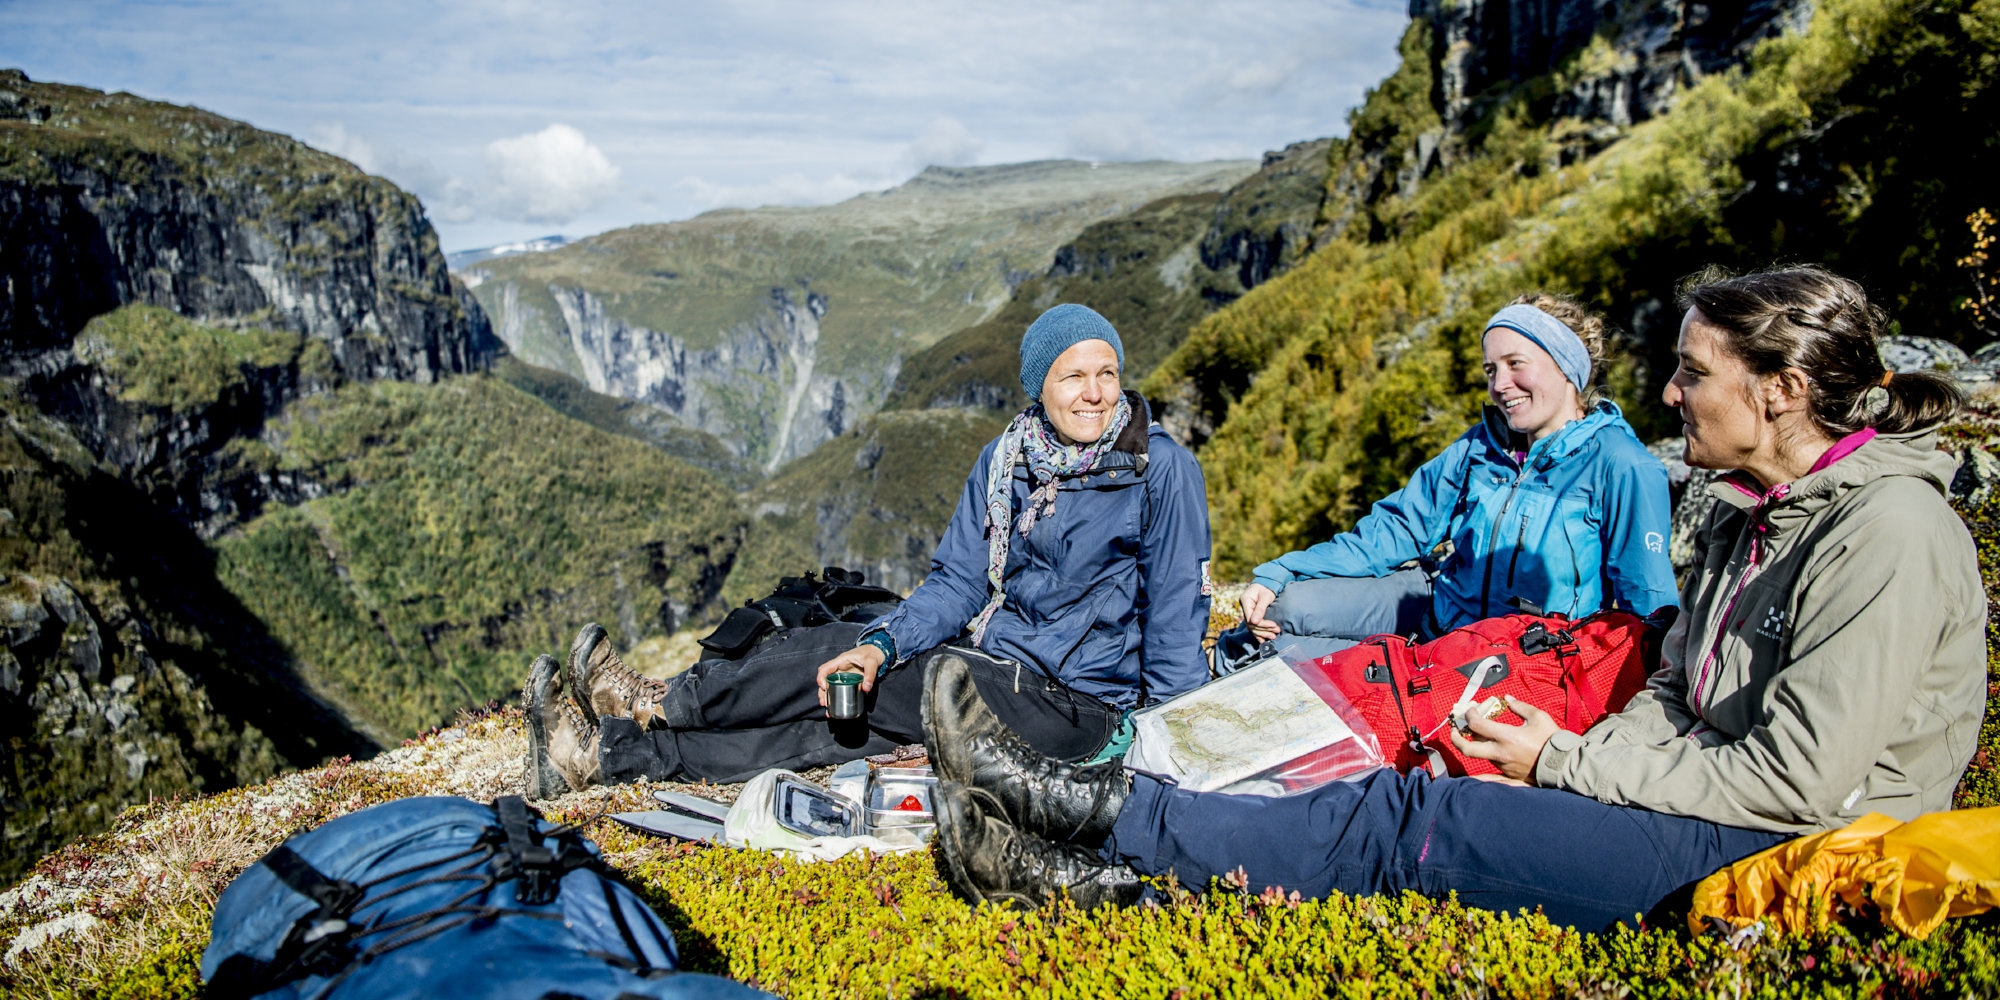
x,y
1978,473
1650,52
1669,451
1902,354
1689,515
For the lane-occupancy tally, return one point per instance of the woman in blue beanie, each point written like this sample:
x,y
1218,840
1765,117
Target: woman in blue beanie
x,y
1072,581
1549,502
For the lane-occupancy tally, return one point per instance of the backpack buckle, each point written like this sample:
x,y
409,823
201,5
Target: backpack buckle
x,y
1537,639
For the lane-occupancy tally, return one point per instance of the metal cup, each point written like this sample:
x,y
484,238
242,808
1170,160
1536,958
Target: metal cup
x,y
843,696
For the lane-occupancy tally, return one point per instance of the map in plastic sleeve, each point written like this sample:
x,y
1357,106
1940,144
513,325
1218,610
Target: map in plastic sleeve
x,y
1232,732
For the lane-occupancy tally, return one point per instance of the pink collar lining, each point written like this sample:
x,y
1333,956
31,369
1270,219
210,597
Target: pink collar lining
x,y
1841,449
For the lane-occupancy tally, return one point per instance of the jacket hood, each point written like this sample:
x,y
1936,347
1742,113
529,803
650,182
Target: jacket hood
x,y
1915,455
1562,443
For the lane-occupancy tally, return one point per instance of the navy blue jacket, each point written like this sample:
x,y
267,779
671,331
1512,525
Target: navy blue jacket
x,y
1109,596
1579,526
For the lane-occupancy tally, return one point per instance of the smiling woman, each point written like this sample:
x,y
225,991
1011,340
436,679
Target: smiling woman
x,y
1072,583
1550,501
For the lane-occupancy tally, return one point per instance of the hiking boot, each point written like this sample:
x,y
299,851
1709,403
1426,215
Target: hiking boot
x,y
987,859
1044,796
543,780
562,746
954,715
600,683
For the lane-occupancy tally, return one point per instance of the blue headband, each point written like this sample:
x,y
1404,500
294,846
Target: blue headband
x,y
1551,335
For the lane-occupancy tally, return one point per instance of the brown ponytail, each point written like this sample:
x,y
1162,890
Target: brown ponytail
x,y
1811,319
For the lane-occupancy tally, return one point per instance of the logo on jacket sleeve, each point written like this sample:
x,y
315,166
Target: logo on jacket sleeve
x,y
1655,541
1207,585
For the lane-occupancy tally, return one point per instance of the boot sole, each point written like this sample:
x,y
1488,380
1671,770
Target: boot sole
x,y
543,781
949,758
955,874
576,676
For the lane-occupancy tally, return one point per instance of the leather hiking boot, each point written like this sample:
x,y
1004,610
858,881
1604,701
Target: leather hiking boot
x,y
543,780
572,745
954,715
600,683
1044,796
986,859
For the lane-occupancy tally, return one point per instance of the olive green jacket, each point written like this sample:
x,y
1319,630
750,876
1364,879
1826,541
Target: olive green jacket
x,y
1829,661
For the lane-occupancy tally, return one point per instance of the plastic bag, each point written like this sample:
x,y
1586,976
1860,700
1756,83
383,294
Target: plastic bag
x,y
1275,727
753,822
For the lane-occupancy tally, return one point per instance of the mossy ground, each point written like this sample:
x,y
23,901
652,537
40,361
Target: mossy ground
x,y
126,915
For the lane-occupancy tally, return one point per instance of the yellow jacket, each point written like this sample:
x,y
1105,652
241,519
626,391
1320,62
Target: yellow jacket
x,y
1944,864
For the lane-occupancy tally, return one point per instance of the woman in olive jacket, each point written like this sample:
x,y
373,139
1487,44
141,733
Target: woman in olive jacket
x,y
1830,662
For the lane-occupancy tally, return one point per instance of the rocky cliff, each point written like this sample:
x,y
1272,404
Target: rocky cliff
x,y
777,329
259,505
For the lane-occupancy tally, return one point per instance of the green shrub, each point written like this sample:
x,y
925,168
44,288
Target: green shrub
x,y
872,927
158,358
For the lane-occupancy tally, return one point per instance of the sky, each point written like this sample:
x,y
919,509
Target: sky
x,y
513,119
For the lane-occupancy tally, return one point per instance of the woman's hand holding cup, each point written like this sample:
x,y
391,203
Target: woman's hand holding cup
x,y
865,660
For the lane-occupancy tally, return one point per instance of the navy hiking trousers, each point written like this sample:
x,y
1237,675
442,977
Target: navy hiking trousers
x,y
1500,847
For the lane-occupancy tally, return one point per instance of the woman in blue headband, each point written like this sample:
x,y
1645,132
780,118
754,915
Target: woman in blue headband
x,y
1549,502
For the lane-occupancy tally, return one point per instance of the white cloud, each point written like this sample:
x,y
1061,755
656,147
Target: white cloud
x,y
445,197
944,143
1114,137
549,176
790,189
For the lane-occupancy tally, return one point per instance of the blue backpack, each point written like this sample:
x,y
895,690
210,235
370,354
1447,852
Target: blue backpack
x,y
432,897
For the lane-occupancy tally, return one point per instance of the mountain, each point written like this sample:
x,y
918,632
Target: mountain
x,y
459,260
262,504
775,329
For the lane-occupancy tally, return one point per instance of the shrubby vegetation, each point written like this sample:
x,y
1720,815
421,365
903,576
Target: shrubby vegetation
x,y
470,528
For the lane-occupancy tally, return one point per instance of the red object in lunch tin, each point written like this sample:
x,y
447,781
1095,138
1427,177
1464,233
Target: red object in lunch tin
x,y
910,803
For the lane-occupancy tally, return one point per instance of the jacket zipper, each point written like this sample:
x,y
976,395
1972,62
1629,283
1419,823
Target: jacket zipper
x,y
1758,526
1519,540
1499,520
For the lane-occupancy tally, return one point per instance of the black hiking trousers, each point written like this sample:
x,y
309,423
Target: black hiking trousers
x,y
730,720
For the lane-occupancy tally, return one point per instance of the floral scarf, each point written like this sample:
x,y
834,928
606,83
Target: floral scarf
x,y
1032,438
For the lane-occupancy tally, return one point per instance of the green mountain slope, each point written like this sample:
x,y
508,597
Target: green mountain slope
x,y
874,500
472,527
776,328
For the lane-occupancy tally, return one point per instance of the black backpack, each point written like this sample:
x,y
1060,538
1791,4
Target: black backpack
x,y
800,602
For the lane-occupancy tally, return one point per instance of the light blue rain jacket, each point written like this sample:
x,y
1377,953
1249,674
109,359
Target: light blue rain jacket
x,y
1578,527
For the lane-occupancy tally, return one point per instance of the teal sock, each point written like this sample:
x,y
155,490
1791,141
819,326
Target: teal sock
x,y
1120,742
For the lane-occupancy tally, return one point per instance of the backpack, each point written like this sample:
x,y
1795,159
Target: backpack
x,y
442,896
800,602
1577,671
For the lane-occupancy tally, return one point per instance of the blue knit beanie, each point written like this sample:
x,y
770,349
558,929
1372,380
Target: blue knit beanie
x,y
1057,331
